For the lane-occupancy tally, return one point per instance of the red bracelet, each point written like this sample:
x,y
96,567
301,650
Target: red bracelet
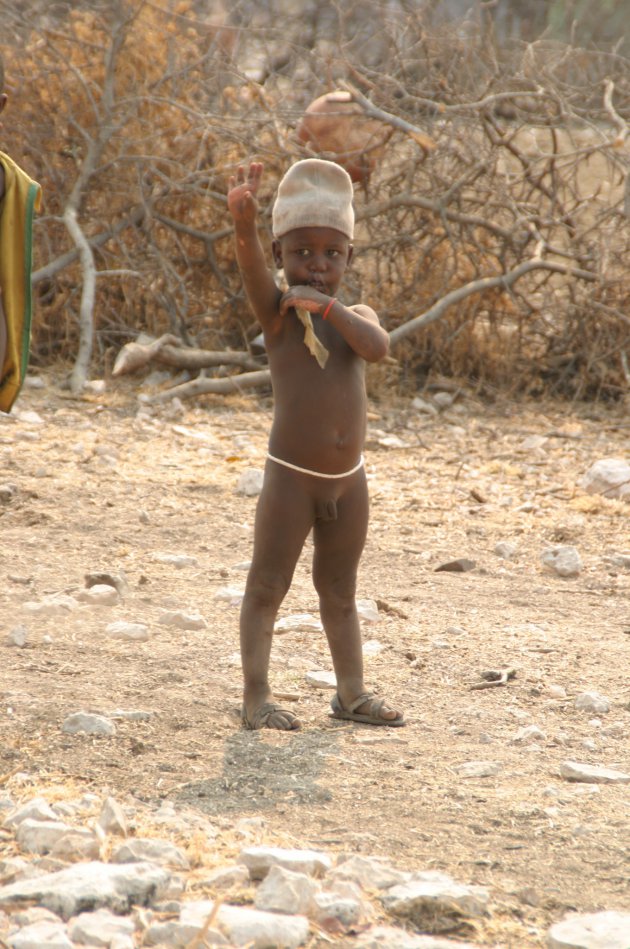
x,y
331,303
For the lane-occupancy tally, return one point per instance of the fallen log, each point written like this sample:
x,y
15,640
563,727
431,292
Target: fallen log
x,y
168,351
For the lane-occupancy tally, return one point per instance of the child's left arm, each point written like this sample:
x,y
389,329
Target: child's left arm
x,y
359,325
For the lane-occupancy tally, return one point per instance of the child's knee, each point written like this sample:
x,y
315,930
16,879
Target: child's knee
x,y
334,591
267,589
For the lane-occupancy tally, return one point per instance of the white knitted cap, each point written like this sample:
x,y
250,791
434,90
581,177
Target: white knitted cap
x,y
314,193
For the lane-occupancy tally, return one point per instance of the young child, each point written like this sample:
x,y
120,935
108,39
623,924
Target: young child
x,y
19,197
314,474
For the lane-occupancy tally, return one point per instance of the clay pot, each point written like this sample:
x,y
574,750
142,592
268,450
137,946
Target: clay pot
x,y
337,128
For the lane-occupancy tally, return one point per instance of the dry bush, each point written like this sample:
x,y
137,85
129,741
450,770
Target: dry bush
x,y
142,110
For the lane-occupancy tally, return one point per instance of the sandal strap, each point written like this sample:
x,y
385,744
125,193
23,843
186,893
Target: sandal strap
x,y
376,704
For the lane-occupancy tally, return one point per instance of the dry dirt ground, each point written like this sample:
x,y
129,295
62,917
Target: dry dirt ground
x,y
100,486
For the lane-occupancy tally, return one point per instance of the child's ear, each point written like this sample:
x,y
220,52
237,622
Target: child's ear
x,y
276,250
350,253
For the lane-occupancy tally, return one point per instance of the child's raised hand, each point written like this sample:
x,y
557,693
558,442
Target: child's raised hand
x,y
241,196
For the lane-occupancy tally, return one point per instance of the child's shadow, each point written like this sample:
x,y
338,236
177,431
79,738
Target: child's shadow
x,y
259,774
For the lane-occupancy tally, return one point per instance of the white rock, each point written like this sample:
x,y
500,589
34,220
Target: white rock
x,y
45,935
129,632
298,622
614,730
372,873
283,891
443,400
372,647
112,818
478,769
347,910
321,679
505,550
18,636
162,852
35,809
78,844
93,884
431,894
56,605
99,928
30,416
606,930
180,620
132,714
528,734
557,691
232,595
224,878
89,723
564,561
618,560
608,476
421,405
37,836
592,702
250,482
592,774
259,860
179,561
368,611
101,594
243,926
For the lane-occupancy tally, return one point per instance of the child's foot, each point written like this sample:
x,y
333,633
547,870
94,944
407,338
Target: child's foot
x,y
369,709
270,715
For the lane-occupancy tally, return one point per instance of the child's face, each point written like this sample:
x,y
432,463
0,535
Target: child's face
x,y
313,257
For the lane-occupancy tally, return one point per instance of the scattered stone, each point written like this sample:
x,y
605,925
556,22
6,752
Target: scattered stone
x,y
421,405
18,637
132,714
592,702
372,647
557,691
334,911
284,891
44,935
250,482
36,809
592,774
321,679
7,492
232,595
444,400
55,605
161,852
180,620
367,611
224,878
298,622
99,928
371,873
102,594
478,769
564,561
609,477
112,818
116,580
505,550
179,561
260,860
90,886
528,734
618,560
433,901
455,631
89,723
128,632
606,930
461,565
614,730
36,836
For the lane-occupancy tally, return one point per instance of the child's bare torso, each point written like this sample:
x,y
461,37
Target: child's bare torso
x,y
319,414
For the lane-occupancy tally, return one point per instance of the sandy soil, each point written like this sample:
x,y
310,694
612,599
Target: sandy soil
x,y
99,487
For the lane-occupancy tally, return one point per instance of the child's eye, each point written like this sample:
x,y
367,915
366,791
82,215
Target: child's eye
x,y
302,252
333,253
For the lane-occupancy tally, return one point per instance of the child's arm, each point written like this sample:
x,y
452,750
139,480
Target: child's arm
x,y
359,325
260,287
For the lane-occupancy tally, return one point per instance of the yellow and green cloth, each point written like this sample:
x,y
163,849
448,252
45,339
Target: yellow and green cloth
x,y
21,199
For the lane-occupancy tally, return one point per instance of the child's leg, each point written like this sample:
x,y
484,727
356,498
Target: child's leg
x,y
338,547
284,517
